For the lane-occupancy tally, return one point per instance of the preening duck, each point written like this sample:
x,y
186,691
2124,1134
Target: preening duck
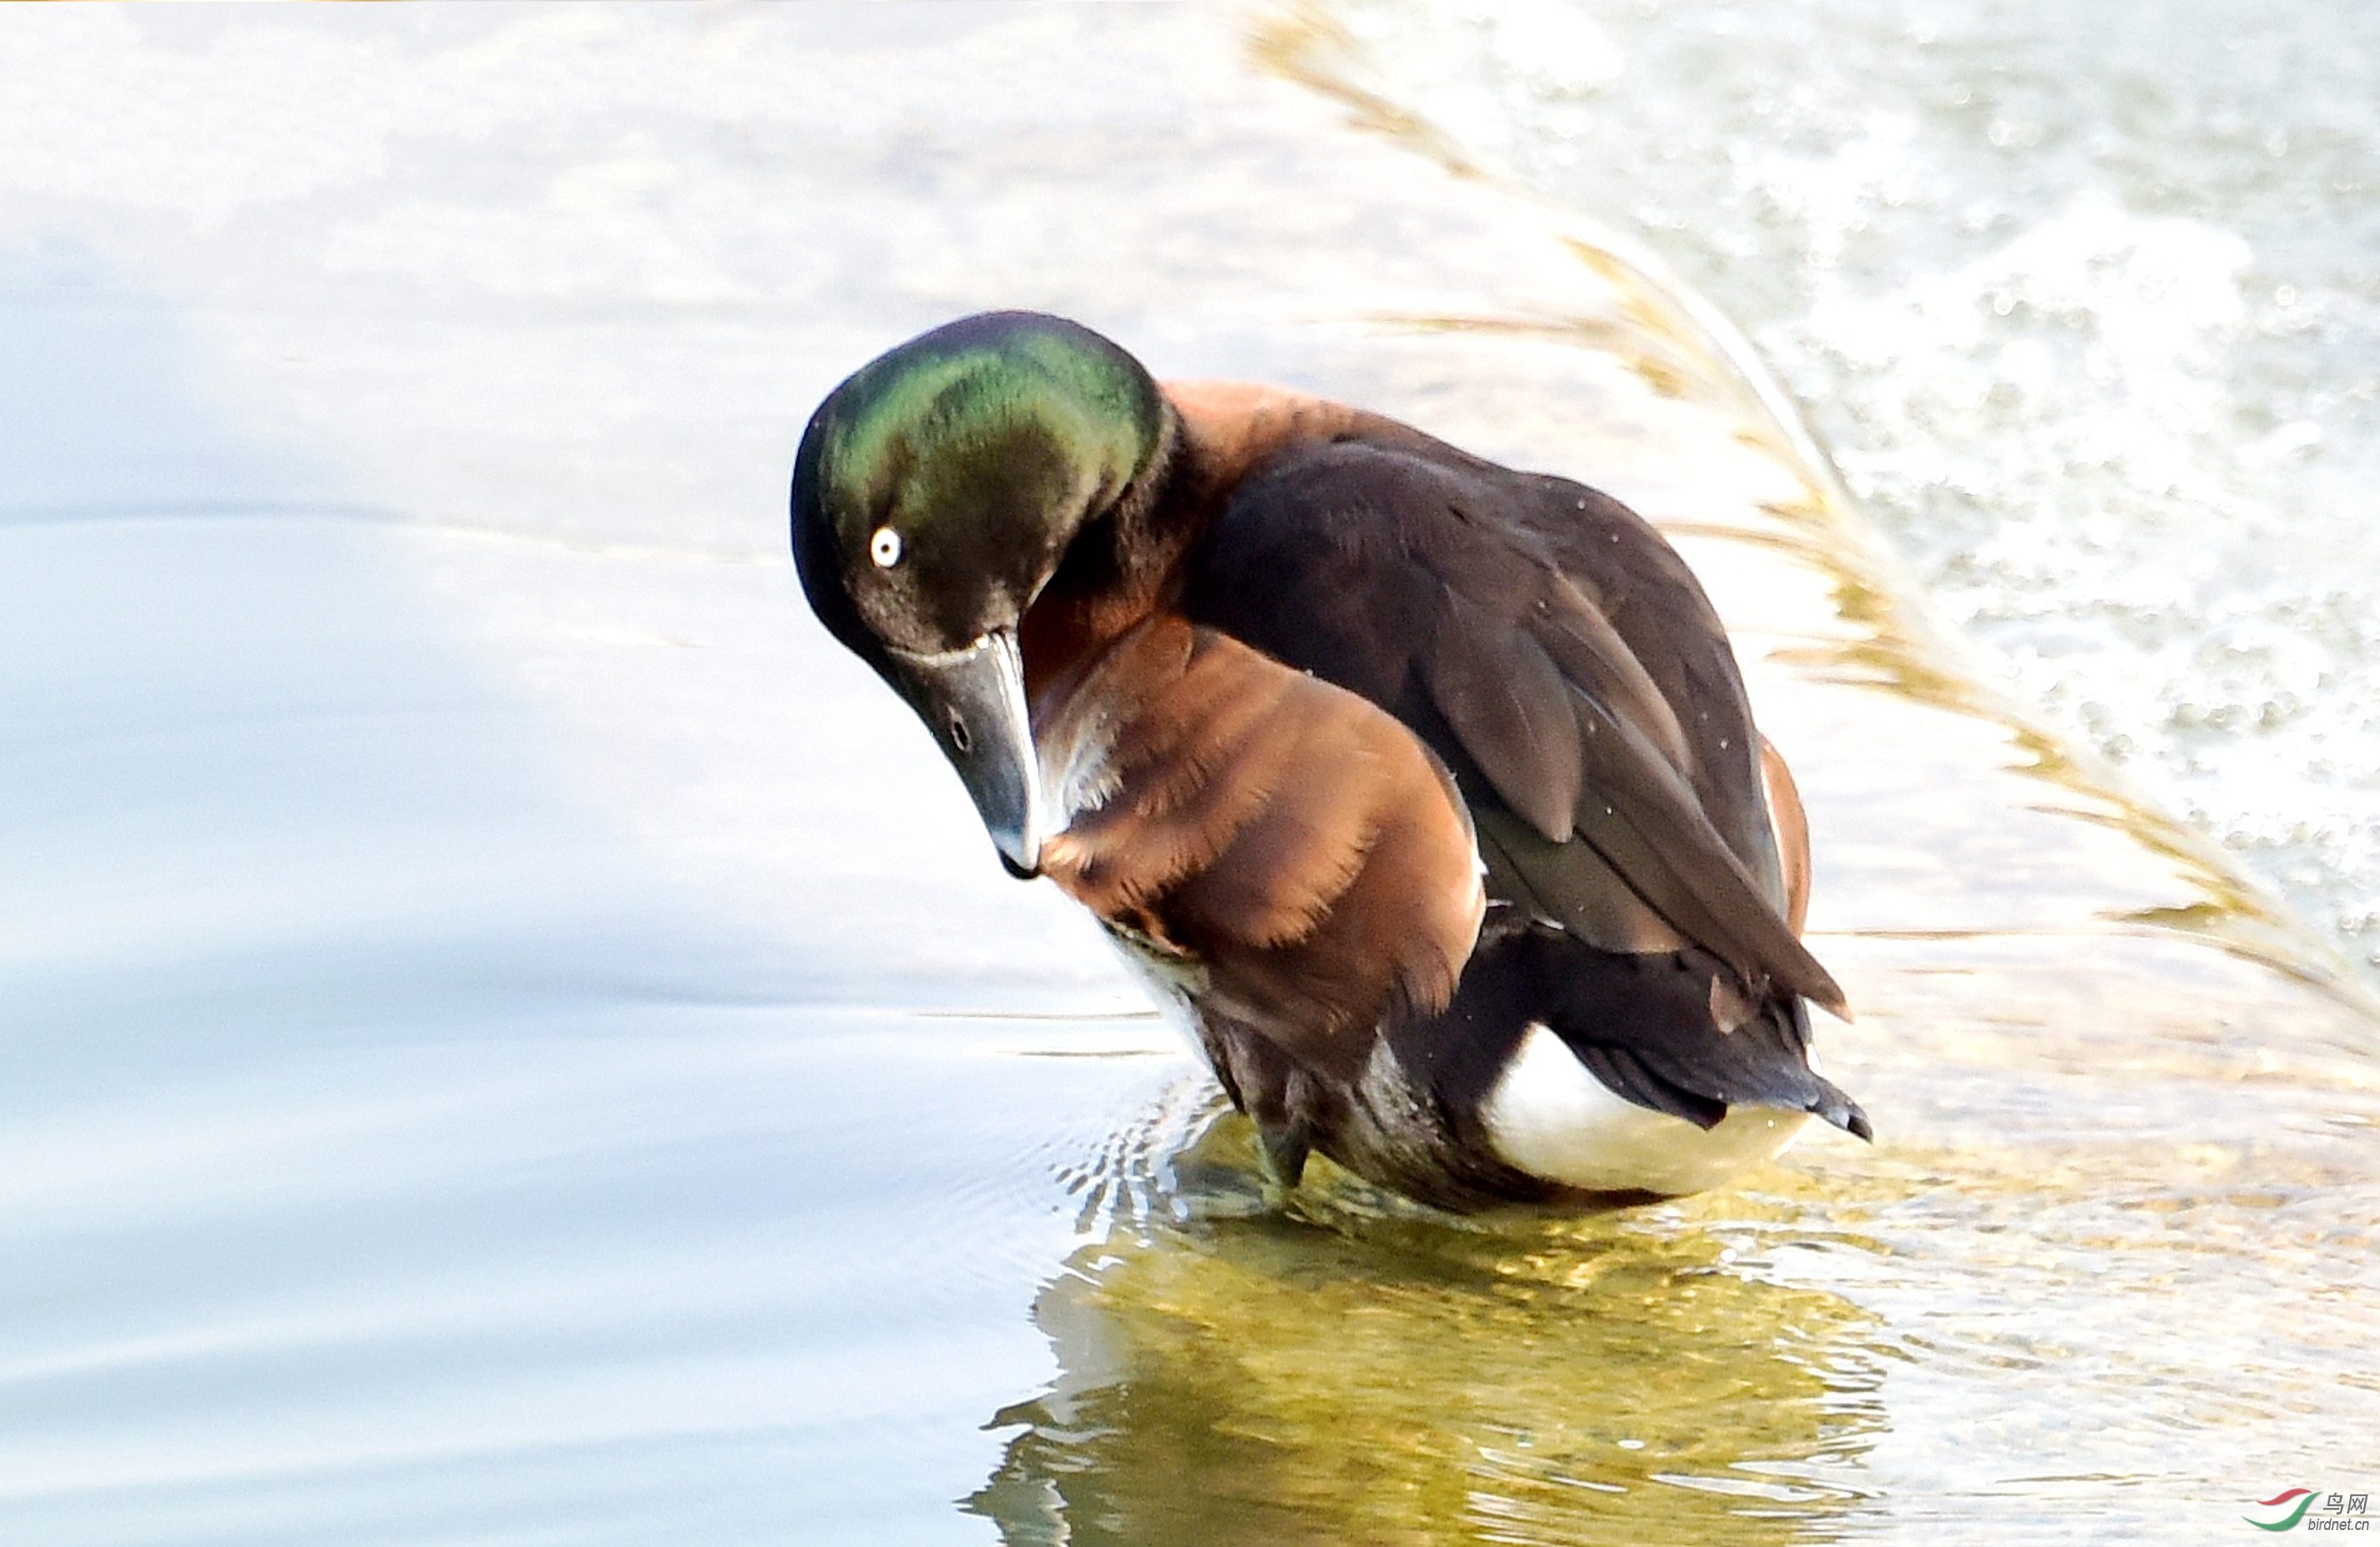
x,y
1426,789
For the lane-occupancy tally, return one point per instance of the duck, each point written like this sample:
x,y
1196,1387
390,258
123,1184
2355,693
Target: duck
x,y
1423,792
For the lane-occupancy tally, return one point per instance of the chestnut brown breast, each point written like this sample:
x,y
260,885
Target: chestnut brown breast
x,y
1291,846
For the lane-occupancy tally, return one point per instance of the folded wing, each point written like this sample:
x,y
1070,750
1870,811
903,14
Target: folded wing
x,y
1555,653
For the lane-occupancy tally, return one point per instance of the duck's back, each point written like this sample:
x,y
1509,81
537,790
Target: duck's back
x,y
1553,651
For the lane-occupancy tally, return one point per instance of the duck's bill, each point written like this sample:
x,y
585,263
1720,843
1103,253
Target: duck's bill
x,y
973,700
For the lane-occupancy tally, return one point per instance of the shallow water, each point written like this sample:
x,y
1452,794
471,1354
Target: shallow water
x,y
510,1036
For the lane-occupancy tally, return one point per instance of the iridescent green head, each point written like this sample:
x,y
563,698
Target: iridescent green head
x,y
938,487
935,494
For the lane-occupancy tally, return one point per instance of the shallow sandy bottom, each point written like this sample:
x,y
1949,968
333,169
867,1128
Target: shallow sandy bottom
x,y
511,1037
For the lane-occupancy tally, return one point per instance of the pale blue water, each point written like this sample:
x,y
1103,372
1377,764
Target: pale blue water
x,y
387,1150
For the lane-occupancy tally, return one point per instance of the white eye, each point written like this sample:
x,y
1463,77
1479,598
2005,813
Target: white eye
x,y
885,547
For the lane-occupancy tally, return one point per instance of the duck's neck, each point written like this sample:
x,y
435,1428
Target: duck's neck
x,y
1126,564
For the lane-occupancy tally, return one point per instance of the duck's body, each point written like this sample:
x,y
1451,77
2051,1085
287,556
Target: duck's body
x,y
1427,788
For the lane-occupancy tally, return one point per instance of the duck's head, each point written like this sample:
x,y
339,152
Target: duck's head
x,y
936,492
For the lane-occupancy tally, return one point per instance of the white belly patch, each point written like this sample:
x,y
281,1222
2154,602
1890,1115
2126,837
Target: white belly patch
x,y
1551,1118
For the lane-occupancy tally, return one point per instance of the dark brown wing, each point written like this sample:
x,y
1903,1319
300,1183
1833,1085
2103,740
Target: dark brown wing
x,y
1555,653
1294,849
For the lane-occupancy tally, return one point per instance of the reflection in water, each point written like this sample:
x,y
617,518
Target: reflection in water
x,y
1350,1370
